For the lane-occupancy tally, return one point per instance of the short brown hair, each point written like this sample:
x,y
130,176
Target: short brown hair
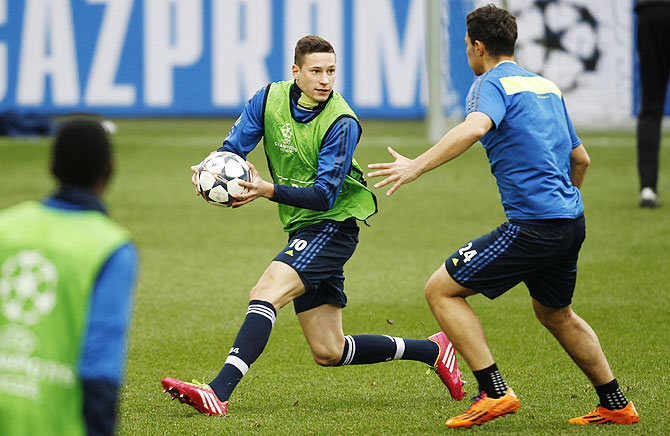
x,y
495,27
311,44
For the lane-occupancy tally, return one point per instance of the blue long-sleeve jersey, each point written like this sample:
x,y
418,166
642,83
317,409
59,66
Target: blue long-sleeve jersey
x,y
334,160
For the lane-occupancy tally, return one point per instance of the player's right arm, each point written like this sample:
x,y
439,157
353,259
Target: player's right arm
x,y
248,130
485,106
455,142
245,133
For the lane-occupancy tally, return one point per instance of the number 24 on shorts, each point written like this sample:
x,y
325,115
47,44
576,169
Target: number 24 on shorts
x,y
467,253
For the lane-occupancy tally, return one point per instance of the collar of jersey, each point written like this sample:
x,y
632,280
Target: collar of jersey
x,y
300,113
503,62
75,198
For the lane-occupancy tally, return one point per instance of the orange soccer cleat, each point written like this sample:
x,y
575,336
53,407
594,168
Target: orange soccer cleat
x,y
627,415
446,366
484,409
197,395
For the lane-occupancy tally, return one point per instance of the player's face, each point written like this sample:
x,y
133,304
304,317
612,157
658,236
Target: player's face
x,y
474,59
316,76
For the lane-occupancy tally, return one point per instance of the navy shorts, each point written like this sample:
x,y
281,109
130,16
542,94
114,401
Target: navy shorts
x,y
318,253
541,253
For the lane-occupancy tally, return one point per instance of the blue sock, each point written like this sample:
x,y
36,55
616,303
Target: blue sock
x,y
248,345
364,349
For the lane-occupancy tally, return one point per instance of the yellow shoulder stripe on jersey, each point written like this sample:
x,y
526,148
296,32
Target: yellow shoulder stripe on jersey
x,y
534,84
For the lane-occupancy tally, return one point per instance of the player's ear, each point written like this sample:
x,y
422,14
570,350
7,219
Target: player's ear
x,y
294,70
479,47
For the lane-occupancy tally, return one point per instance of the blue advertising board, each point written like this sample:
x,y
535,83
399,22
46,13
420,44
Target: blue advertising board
x,y
207,57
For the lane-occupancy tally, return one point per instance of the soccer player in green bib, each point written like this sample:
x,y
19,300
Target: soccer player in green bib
x,y
67,275
309,134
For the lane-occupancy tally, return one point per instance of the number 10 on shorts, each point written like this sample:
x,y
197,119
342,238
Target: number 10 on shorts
x,y
298,244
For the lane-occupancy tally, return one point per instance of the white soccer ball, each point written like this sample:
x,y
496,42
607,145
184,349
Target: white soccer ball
x,y
219,178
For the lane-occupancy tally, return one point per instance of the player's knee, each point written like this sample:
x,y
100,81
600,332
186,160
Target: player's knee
x,y
327,357
259,292
553,318
433,292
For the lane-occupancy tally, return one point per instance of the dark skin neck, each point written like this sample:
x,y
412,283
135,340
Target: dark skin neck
x,y
99,187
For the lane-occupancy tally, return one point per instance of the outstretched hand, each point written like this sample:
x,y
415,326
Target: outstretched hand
x,y
402,170
256,187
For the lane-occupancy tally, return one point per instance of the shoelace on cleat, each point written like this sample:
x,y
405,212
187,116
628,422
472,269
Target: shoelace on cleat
x,y
468,414
434,369
200,385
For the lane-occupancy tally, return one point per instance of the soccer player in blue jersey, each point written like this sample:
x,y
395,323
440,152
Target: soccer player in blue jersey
x,y
309,136
539,164
62,353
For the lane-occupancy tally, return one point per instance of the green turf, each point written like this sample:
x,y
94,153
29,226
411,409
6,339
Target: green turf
x,y
198,263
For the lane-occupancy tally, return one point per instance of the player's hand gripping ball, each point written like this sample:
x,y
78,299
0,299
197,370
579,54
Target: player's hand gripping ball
x,y
219,175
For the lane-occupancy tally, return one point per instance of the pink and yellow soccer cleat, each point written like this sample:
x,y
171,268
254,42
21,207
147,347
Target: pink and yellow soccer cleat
x,y
446,366
484,409
197,395
627,415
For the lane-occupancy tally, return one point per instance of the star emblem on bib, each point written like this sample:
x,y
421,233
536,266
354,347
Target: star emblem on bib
x,y
286,131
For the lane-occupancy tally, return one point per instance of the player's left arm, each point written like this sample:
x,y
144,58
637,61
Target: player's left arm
x,y
579,158
579,163
403,170
103,352
334,162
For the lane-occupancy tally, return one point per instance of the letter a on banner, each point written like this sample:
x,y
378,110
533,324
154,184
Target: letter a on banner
x,y
47,49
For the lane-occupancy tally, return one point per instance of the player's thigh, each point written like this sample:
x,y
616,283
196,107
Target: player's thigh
x,y
553,286
442,285
318,253
322,327
279,285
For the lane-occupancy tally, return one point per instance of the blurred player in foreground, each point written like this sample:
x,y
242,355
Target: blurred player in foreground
x,y
67,275
539,164
310,135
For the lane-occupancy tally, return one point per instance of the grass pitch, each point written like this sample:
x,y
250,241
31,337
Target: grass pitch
x,y
199,262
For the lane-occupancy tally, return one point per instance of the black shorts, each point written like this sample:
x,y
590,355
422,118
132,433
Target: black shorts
x,y
318,253
541,253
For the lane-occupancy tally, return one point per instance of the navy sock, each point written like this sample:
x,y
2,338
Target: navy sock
x,y
611,396
364,349
491,382
248,345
